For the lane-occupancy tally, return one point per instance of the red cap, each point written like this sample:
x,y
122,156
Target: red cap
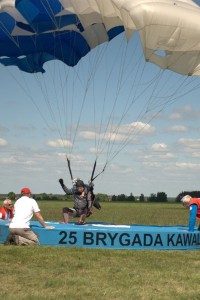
x,y
25,191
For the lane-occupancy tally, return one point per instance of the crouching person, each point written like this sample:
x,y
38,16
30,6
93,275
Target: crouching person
x,y
19,229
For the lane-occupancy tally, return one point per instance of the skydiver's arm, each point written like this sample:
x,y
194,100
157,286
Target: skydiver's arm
x,y
65,189
192,221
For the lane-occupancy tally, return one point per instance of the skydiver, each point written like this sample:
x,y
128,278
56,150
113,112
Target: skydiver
x,y
90,187
83,201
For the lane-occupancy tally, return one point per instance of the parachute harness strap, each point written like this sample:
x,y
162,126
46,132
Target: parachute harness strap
x,y
69,167
93,178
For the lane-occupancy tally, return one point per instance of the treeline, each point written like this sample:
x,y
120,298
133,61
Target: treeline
x,y
159,197
193,194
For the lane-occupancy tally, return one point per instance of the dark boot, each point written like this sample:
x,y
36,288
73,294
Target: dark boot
x,y
10,240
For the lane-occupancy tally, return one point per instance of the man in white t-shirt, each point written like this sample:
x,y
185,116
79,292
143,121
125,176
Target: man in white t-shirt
x,y
20,232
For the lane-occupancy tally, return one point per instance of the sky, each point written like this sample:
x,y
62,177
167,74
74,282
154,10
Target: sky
x,y
107,98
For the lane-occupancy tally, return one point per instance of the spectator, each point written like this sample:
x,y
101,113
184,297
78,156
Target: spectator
x,y
194,205
20,232
6,211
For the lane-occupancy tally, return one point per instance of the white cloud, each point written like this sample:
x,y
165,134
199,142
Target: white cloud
x,y
24,128
30,162
175,116
116,168
95,150
76,158
9,160
138,127
188,166
3,142
178,128
122,133
59,143
196,154
151,164
88,135
167,156
185,112
190,143
159,147
108,136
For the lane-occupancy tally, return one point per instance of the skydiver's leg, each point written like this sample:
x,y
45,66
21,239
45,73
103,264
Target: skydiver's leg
x,y
82,218
67,212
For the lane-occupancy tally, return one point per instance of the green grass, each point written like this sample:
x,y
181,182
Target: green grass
x,y
79,274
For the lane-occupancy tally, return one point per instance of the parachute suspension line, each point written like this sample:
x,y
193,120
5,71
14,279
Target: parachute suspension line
x,y
133,130
129,104
127,107
28,93
46,5
51,111
97,133
8,34
63,109
119,87
88,83
183,93
106,133
26,90
128,139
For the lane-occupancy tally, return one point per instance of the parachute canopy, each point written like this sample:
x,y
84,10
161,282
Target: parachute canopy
x,y
104,92
33,32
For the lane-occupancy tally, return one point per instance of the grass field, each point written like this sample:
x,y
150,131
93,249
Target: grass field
x,y
79,274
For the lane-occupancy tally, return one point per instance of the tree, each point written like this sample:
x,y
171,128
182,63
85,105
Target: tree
x,y
142,199
11,196
121,197
102,197
161,197
114,198
131,197
152,198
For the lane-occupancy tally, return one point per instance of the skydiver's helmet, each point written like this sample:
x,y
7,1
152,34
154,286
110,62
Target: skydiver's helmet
x,y
79,183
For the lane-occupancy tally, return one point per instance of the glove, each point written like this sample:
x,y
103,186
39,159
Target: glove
x,y
61,181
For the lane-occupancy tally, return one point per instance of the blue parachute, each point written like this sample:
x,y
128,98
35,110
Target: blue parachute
x,y
33,32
